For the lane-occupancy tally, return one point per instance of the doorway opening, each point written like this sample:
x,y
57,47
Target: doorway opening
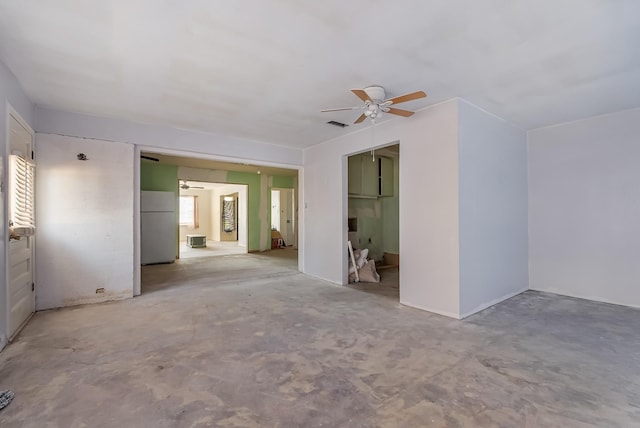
x,y
373,220
283,218
212,219
238,199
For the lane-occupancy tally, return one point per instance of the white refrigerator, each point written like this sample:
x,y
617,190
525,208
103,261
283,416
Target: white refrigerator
x,y
158,226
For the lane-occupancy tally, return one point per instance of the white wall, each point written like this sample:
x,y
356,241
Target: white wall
x,y
493,209
216,214
428,140
11,94
80,125
584,208
84,217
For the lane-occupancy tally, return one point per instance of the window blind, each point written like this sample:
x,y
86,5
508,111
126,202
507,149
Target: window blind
x,y
22,195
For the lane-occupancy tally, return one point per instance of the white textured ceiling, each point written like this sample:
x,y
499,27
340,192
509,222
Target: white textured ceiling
x,y
263,69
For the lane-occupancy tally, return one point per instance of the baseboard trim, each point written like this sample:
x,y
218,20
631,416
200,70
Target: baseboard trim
x,y
323,279
432,310
484,306
583,297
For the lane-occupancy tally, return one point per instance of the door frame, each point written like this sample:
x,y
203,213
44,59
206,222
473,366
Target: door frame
x,y
345,201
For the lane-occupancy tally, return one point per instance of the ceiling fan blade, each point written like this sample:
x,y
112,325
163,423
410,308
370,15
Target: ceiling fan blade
x,y
361,94
407,97
360,119
340,109
399,112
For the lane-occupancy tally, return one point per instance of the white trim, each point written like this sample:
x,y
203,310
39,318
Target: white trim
x,y
484,306
328,281
433,311
137,270
300,216
583,119
583,297
345,220
23,325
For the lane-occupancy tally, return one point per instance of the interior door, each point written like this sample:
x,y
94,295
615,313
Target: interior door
x,y
290,219
20,266
286,215
229,217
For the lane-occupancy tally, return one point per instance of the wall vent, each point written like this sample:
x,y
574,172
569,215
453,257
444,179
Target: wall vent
x,y
340,124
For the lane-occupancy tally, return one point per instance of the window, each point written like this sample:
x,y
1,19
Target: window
x,y
189,211
21,196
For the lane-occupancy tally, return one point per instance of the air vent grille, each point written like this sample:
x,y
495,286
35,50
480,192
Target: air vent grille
x,y
340,124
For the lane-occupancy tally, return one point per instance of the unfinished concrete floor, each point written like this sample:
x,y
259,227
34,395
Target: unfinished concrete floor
x,y
213,248
246,341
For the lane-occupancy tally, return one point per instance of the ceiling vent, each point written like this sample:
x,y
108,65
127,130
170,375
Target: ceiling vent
x,y
340,124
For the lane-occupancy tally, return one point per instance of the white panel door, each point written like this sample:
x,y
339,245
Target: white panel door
x,y
21,296
20,279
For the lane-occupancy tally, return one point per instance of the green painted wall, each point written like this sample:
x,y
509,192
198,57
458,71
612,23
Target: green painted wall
x,y
161,177
155,176
391,214
252,181
284,181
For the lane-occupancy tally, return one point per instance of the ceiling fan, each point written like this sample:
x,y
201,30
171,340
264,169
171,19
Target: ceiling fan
x,y
375,103
185,186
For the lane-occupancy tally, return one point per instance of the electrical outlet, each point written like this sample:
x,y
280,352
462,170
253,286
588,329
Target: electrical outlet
x,y
100,290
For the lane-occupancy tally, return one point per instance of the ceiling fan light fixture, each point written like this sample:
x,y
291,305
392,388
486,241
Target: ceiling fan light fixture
x,y
376,93
375,103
